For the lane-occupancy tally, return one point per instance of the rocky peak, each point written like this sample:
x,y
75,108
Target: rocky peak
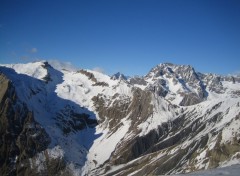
x,y
180,80
119,76
137,80
84,123
185,72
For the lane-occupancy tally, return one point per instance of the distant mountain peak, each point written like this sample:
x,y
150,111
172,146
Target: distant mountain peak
x,y
174,120
174,66
119,76
171,69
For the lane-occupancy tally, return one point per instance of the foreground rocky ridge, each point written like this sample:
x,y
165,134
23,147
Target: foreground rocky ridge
x,y
173,120
21,136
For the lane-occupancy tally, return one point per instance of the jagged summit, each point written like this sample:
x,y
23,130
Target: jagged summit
x,y
183,71
179,84
119,76
173,120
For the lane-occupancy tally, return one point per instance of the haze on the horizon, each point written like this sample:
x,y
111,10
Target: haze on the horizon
x,y
129,36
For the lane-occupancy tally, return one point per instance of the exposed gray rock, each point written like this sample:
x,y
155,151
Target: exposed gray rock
x,y
164,142
182,74
70,122
137,80
21,136
172,146
88,74
103,84
190,99
214,83
119,76
158,87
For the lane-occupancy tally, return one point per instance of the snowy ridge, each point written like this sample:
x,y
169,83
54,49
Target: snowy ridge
x,y
35,70
109,125
78,88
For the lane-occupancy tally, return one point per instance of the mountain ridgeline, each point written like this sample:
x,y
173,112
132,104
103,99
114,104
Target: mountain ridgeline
x,y
63,122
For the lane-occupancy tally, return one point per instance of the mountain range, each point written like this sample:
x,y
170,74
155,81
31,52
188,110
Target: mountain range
x,y
65,122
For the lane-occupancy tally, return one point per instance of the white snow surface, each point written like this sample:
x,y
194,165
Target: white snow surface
x,y
162,113
79,89
34,69
64,88
104,146
91,147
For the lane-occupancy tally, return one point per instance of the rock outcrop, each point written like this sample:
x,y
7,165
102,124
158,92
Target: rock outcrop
x,y
21,136
173,120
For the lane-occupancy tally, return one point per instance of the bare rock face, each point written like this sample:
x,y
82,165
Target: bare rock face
x,y
158,87
21,136
190,99
214,83
138,80
168,142
173,120
138,109
88,74
119,76
71,122
113,114
183,75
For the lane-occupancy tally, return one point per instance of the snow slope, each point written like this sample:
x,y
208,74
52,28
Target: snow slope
x,y
182,103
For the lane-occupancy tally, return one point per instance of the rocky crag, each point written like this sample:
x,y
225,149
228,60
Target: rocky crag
x,y
62,122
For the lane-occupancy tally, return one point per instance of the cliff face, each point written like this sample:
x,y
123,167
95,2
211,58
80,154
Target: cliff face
x,y
25,146
173,120
21,136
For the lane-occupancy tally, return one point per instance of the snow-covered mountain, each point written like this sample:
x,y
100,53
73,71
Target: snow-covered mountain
x,y
62,122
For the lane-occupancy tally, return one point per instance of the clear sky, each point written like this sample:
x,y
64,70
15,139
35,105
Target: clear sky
x,y
130,36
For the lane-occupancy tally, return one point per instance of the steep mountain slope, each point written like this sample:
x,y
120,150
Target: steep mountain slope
x,y
21,136
173,120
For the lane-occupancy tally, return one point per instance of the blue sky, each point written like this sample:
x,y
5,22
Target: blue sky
x,y
130,36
